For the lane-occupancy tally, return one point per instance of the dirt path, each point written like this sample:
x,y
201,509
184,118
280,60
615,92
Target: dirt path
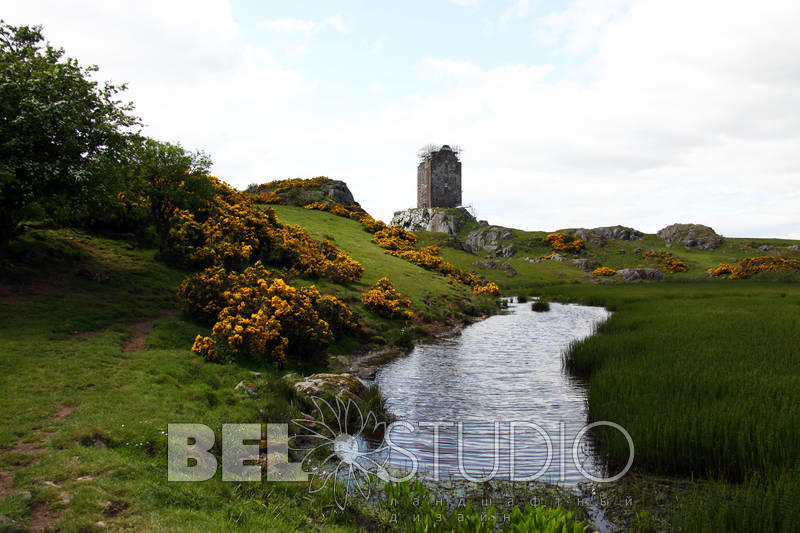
x,y
140,331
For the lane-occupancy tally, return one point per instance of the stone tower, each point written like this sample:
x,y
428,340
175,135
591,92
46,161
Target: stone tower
x,y
439,179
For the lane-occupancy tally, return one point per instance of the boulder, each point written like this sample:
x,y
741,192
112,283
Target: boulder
x,y
585,264
635,275
432,219
794,248
366,372
692,236
489,239
345,386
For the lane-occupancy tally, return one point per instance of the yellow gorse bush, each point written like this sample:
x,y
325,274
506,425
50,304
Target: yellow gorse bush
x,y
750,266
603,271
563,242
666,262
384,300
236,233
263,317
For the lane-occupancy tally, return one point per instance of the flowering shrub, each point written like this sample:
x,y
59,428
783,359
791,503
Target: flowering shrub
x,y
750,266
490,288
235,233
666,262
604,271
395,238
383,299
563,242
263,317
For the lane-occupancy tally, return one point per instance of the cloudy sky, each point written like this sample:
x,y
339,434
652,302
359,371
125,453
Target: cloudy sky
x,y
572,113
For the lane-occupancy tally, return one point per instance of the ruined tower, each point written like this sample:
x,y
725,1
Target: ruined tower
x,y
439,178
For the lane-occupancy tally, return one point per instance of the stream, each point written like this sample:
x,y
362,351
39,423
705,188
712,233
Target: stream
x,y
500,376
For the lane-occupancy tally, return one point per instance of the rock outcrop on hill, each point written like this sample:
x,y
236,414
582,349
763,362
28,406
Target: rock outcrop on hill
x,y
324,190
432,219
489,239
692,236
635,275
599,236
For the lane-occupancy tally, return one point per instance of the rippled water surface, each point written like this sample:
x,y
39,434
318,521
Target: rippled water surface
x,y
504,369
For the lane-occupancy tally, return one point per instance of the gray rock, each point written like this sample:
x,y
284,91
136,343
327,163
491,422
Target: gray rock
x,y
432,219
604,233
488,239
345,386
585,264
692,236
366,372
508,251
794,248
635,275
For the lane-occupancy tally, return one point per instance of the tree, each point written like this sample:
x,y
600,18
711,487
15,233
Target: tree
x,y
166,177
55,123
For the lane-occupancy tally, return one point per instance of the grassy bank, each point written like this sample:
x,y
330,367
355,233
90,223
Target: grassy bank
x,y
706,379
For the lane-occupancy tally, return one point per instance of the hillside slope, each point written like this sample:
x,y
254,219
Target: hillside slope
x,y
615,254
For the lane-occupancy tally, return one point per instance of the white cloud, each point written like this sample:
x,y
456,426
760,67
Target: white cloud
x,y
465,3
684,111
294,25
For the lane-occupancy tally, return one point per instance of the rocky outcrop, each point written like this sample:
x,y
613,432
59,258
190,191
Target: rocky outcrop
x,y
437,219
324,190
691,235
496,265
794,248
488,239
345,386
585,264
635,275
599,236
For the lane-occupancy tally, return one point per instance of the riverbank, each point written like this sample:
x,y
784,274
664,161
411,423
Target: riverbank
x,y
704,376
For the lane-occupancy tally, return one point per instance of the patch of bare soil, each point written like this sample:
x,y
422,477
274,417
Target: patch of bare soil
x,y
42,517
140,331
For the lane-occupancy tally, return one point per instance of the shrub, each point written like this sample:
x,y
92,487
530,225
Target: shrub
x,y
563,242
666,262
262,317
604,271
490,288
384,300
750,266
540,306
395,238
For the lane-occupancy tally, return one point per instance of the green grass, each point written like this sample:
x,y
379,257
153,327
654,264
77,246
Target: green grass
x,y
107,457
706,379
435,297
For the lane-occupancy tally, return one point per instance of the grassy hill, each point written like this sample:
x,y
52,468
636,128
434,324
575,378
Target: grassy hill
x,y
616,254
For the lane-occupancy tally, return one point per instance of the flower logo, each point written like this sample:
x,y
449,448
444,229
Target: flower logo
x,y
340,435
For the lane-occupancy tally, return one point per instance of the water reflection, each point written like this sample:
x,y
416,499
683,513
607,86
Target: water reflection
x,y
503,370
